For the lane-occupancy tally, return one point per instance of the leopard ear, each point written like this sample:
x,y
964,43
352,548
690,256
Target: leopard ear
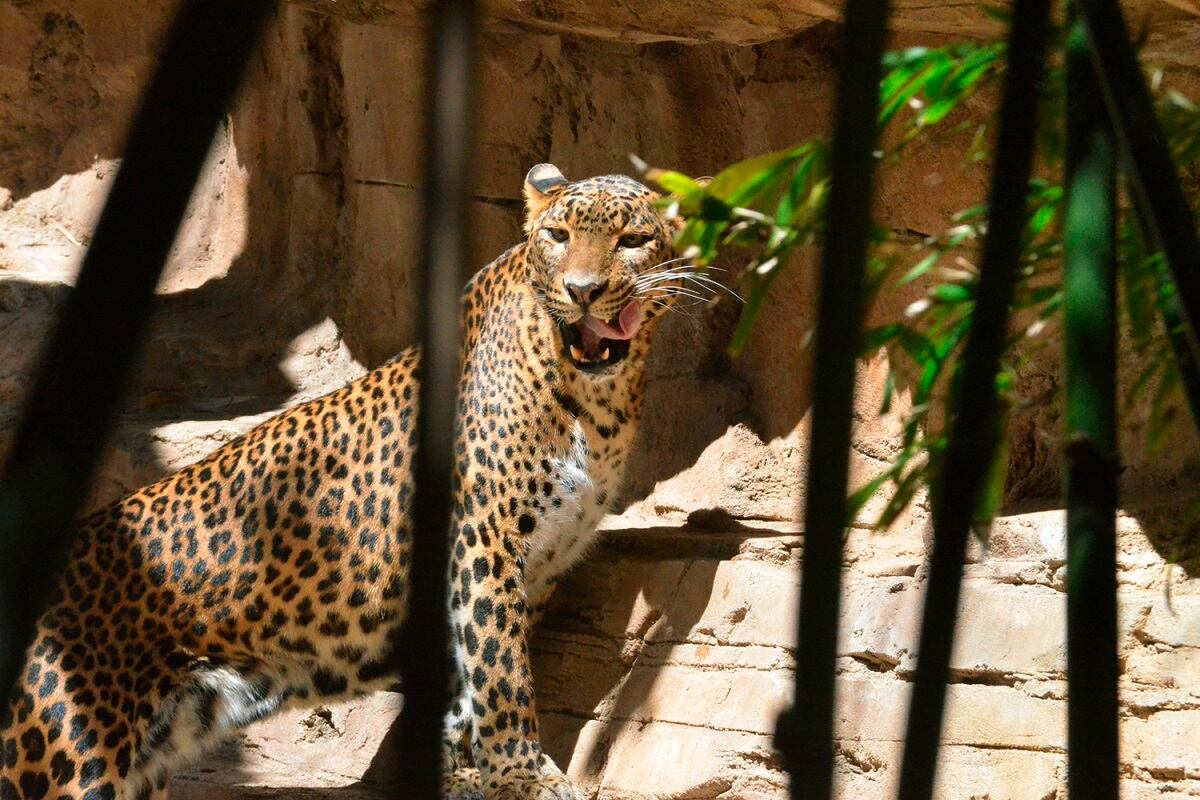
x,y
541,185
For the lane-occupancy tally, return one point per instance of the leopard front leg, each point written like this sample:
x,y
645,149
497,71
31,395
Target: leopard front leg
x,y
491,620
460,779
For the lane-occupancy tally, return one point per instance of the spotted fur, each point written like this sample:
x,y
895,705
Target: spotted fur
x,y
274,572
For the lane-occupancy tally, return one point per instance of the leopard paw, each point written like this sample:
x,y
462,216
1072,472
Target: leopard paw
x,y
462,784
549,784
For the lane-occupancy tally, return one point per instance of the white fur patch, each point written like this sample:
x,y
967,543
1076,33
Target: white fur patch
x,y
564,534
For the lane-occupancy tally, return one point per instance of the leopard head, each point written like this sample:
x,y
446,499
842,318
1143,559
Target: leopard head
x,y
599,257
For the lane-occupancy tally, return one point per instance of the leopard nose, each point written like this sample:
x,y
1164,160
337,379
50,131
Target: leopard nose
x,y
584,291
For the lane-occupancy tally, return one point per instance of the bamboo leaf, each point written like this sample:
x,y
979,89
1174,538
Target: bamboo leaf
x,y
736,185
920,268
950,293
1162,411
674,182
750,311
876,338
889,389
1042,217
906,489
900,97
859,498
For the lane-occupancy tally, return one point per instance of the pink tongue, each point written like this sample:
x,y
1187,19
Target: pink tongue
x,y
628,322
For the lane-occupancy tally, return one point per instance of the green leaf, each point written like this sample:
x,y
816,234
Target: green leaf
x,y
950,293
755,297
929,375
915,344
1145,375
893,103
1052,304
900,66
906,489
713,210
804,190
736,185
967,214
876,338
1139,293
936,112
1162,411
889,389
895,60
1041,218
935,81
958,235
860,497
920,268
954,75
674,182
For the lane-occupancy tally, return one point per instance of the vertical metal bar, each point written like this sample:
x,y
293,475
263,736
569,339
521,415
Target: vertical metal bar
x,y
91,353
1091,443
972,442
424,659
805,733
1153,176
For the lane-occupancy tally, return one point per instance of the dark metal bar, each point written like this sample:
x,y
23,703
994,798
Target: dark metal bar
x,y
973,430
805,732
1090,311
424,659
1153,180
1179,335
91,353
1153,177
1177,331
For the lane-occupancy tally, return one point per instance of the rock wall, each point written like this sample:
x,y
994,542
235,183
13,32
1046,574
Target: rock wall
x,y
663,667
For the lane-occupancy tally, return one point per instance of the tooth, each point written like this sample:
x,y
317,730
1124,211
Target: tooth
x,y
577,354
604,355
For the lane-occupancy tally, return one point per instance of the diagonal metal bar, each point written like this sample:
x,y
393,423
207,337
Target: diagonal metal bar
x,y
1152,175
91,353
1178,332
424,658
1179,335
1090,312
805,732
973,430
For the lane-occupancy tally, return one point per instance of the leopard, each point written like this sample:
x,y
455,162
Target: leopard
x,y
274,573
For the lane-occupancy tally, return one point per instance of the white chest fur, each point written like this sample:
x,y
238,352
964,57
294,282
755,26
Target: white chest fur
x,y
583,487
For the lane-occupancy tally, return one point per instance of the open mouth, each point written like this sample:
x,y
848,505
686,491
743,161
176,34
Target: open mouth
x,y
592,344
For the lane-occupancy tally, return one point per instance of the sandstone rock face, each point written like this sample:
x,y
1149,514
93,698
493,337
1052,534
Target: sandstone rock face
x,y
668,657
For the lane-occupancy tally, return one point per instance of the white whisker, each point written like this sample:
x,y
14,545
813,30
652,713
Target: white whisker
x,y
700,281
679,292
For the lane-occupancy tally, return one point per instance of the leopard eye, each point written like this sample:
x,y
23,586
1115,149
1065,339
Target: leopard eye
x,y
631,241
557,234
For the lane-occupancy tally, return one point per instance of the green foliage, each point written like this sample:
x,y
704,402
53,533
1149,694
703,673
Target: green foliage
x,y
773,203
934,82
766,208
